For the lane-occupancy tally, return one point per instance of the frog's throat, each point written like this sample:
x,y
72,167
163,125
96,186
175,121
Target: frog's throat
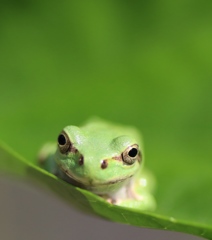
x,y
76,182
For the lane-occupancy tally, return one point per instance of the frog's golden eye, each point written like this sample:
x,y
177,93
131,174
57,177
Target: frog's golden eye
x,y
64,143
131,154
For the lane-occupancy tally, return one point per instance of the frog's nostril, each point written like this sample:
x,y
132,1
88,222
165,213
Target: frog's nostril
x,y
104,164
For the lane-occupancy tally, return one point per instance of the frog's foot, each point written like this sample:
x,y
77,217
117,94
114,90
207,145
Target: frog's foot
x,y
47,150
46,157
109,199
114,201
144,203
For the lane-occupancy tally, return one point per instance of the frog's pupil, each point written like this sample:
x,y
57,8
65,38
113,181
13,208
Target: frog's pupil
x,y
133,152
61,139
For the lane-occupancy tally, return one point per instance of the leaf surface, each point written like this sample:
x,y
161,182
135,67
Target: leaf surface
x,y
13,164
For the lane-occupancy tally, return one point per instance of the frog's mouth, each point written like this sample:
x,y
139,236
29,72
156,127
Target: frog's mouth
x,y
85,184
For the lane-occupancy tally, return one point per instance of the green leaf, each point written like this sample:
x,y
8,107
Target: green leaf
x,y
13,164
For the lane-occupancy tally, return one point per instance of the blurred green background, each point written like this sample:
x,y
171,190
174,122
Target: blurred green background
x,y
143,63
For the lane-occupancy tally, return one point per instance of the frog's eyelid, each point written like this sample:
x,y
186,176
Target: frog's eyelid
x,y
65,145
131,154
64,142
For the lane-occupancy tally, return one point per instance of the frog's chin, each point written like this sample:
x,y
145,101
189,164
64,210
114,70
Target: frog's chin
x,y
89,184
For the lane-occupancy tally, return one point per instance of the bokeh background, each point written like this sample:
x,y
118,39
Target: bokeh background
x,y
143,63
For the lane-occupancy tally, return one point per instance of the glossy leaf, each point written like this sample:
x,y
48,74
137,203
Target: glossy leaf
x,y
13,164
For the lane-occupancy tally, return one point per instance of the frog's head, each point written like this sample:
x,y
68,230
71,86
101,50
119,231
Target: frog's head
x,y
101,161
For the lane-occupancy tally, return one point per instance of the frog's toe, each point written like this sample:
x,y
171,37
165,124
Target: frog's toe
x,y
108,199
144,203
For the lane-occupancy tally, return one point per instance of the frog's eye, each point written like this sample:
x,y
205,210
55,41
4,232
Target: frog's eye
x,y
131,154
64,143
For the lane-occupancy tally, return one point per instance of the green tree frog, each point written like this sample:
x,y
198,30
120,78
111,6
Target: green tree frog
x,y
104,158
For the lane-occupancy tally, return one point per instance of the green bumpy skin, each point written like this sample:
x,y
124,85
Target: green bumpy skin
x,y
104,158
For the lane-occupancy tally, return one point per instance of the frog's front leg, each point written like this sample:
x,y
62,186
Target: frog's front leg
x,y
46,158
145,203
137,193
